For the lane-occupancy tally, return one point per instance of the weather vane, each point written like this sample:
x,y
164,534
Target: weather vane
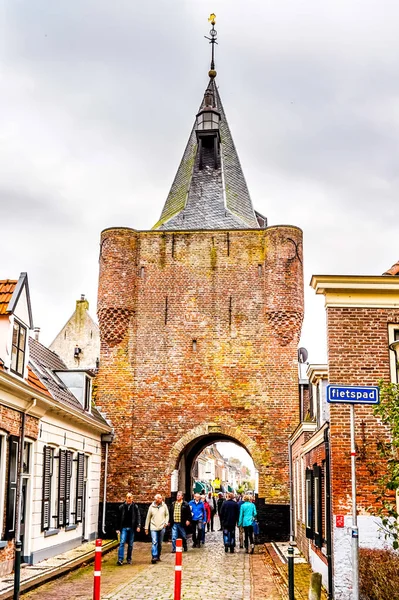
x,y
212,40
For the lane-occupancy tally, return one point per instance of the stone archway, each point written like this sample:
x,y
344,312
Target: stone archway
x,y
184,452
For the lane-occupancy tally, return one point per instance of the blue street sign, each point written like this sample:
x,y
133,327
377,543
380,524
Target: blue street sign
x,y
353,394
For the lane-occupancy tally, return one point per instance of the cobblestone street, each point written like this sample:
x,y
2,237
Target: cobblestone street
x,y
207,572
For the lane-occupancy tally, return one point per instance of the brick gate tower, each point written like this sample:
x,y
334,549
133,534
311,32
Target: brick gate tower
x,y
200,321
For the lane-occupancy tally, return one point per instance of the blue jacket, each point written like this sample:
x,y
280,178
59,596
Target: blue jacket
x,y
197,510
247,514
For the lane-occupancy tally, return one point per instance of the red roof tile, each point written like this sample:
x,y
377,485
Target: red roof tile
x,y
35,382
7,287
394,270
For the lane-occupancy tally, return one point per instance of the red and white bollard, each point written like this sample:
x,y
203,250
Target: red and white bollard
x,y
97,570
178,568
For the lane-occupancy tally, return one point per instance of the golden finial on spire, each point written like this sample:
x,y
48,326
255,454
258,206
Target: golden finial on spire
x,y
212,40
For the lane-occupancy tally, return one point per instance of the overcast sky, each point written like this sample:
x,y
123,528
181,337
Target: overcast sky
x,y
98,98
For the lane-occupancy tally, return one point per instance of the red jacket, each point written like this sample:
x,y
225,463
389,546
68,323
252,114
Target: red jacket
x,y
208,511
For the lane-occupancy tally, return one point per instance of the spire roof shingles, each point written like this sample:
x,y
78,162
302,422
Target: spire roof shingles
x,y
209,198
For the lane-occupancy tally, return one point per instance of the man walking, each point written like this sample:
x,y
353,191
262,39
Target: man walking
x,y
129,522
219,508
179,518
156,520
229,516
198,519
212,504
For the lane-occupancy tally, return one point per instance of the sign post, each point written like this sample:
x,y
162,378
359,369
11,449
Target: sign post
x,y
352,395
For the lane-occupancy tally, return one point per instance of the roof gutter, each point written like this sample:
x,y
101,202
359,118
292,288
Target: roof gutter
x,y
48,403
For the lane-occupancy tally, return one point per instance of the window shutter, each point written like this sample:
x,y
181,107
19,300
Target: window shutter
x,y
318,525
68,475
309,504
61,487
79,487
13,449
46,492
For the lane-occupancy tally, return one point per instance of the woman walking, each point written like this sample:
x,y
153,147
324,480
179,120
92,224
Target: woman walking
x,y
245,520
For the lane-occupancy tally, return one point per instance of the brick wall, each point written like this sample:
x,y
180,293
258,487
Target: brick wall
x,y
199,329
357,355
10,421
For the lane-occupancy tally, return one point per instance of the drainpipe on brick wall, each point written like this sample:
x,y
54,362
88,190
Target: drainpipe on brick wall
x,y
107,439
18,503
328,514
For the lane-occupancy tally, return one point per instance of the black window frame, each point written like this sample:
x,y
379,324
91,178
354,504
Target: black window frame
x,y
17,347
11,504
87,394
309,504
48,470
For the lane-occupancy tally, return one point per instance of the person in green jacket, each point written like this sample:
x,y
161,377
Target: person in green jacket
x,y
245,520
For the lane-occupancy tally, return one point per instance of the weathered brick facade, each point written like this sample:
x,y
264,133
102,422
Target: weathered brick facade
x,y
10,425
199,336
362,317
358,354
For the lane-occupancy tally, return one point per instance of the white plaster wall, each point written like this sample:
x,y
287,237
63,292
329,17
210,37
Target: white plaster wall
x,y
80,330
60,433
370,536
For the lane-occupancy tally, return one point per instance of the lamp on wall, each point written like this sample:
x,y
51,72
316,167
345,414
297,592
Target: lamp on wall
x,y
395,349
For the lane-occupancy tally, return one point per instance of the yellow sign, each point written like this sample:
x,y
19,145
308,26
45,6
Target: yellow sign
x,y
212,19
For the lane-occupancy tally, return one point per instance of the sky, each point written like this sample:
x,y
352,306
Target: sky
x,y
231,450
98,98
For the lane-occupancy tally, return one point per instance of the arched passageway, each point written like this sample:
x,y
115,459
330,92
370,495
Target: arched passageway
x,y
184,477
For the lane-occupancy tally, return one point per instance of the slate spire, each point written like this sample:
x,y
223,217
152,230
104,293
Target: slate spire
x,y
209,190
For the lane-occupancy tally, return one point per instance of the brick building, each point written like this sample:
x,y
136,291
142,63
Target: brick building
x,y
50,490
200,320
362,333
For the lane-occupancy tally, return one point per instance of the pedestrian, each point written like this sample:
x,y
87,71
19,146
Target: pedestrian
x,y
219,508
179,518
208,517
198,518
246,520
240,528
129,522
212,503
156,521
229,514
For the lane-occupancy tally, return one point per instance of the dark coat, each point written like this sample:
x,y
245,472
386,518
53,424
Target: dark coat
x,y
135,517
185,513
220,504
229,514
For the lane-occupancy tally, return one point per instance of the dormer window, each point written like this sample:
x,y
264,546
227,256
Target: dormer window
x,y
18,348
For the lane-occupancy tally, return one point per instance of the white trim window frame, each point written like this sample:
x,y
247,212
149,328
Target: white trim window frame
x,y
393,336
19,339
3,488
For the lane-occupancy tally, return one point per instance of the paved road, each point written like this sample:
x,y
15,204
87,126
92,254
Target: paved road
x,y
208,572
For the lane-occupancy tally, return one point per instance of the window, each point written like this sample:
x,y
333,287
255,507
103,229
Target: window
x,y
48,465
18,348
80,477
2,477
393,336
12,486
64,488
318,506
87,401
309,503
